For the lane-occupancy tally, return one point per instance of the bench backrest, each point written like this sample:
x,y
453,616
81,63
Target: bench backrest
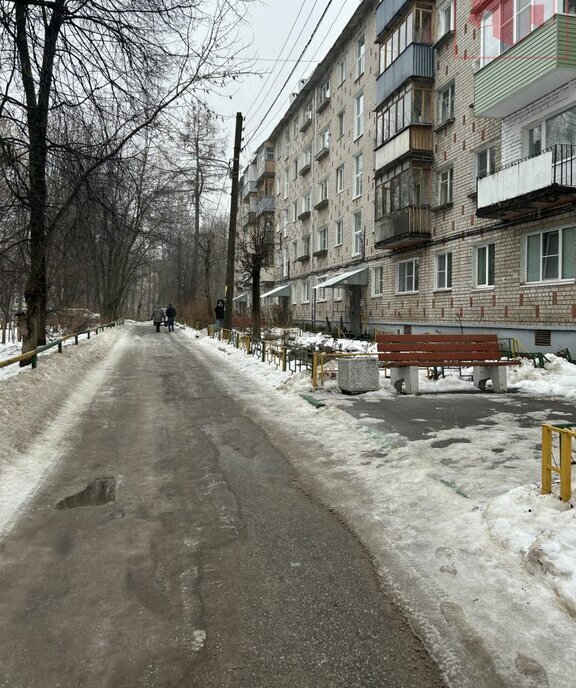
x,y
429,348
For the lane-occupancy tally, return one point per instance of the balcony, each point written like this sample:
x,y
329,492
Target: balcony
x,y
248,189
306,167
322,153
304,215
417,61
249,219
304,254
323,104
321,204
265,205
541,62
266,168
307,121
387,12
404,228
414,141
544,181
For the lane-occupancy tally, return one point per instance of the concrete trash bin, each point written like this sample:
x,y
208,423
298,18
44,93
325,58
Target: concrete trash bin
x,y
358,375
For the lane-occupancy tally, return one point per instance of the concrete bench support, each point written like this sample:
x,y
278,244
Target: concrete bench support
x,y
497,374
358,375
407,375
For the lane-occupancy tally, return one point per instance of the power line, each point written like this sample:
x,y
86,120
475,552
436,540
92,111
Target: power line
x,y
264,95
291,73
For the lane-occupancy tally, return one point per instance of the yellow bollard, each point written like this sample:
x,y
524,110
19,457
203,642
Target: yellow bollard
x,y
565,466
315,370
546,459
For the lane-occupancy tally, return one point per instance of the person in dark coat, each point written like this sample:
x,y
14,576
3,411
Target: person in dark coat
x,y
170,317
219,313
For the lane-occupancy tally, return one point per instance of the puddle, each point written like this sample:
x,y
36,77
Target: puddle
x,y
99,491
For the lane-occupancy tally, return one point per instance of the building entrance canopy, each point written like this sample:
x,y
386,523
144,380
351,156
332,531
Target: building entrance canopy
x,y
353,278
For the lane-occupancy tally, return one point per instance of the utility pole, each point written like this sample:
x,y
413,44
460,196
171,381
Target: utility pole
x,y
232,227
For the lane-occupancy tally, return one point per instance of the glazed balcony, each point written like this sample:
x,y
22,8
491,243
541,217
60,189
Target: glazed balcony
x,y
265,169
387,12
541,62
403,228
541,182
414,141
265,204
417,61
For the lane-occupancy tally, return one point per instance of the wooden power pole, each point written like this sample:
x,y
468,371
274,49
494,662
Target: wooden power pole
x,y
232,227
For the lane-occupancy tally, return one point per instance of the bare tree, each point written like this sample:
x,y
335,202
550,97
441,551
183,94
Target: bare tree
x,y
120,65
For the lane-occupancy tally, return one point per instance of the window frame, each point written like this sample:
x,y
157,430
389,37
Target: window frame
x,y
339,228
414,277
445,270
450,91
358,233
560,274
358,116
490,160
360,55
490,266
322,238
340,179
378,281
358,175
447,184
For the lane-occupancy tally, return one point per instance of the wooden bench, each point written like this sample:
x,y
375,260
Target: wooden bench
x,y
405,353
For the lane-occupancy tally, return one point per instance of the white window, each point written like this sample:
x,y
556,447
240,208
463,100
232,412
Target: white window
x,y
446,104
286,183
360,55
444,270
323,190
295,169
485,162
285,261
484,265
551,255
445,186
306,245
358,234
295,127
337,294
278,185
307,156
559,131
321,291
378,281
324,92
307,202
295,293
269,152
339,232
324,139
340,179
294,211
445,18
286,142
341,71
358,169
359,116
341,124
285,221
322,239
407,276
305,292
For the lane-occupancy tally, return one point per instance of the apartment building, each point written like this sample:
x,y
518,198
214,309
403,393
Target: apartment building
x,y
425,173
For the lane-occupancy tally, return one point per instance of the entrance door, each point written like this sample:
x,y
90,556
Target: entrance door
x,y
355,315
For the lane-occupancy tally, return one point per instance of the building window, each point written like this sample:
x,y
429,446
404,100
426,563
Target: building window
x,y
359,116
444,271
323,190
286,183
307,202
305,292
337,294
341,124
295,127
445,21
358,168
295,169
358,234
306,245
341,72
286,142
484,265
307,157
324,92
339,232
269,153
378,281
557,130
446,104
324,139
340,179
408,276
360,56
285,222
321,291
397,190
323,239
445,186
485,162
285,262
551,255
294,211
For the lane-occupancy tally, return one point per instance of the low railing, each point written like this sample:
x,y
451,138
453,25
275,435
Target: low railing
x,y
32,356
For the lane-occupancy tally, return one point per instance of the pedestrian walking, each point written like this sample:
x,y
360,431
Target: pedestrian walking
x,y
157,317
219,312
170,317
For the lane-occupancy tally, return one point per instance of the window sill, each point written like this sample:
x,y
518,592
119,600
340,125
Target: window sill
x,y
406,293
488,287
358,77
548,283
355,198
358,137
320,252
444,206
377,296
443,125
442,290
444,38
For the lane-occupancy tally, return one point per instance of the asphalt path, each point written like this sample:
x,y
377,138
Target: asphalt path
x,y
174,545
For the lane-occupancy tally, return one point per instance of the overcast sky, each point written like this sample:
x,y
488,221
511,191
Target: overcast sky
x,y
279,30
